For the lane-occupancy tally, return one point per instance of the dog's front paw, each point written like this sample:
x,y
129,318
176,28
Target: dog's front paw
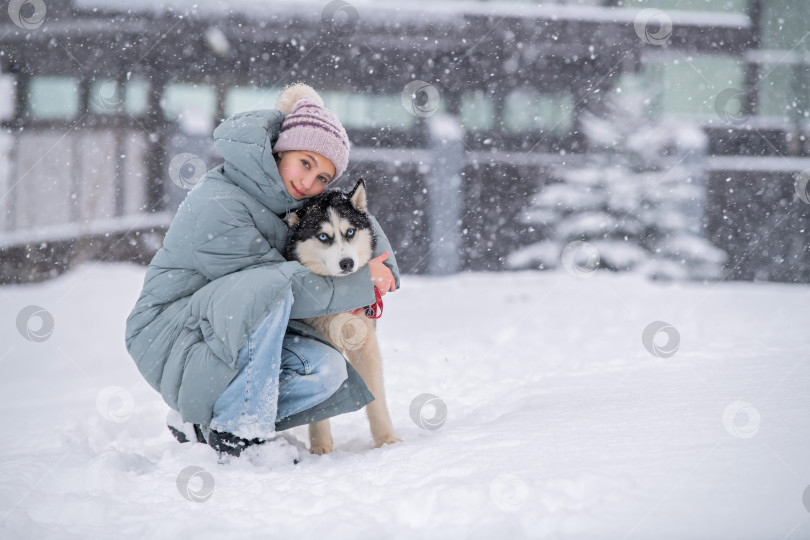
x,y
386,439
320,448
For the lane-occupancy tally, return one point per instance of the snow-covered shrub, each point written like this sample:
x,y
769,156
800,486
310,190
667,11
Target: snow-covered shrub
x,y
639,201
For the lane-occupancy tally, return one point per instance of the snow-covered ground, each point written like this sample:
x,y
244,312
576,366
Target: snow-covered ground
x,y
560,423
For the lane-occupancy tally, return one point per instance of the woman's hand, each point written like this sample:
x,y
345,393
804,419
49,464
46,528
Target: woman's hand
x,y
382,278
381,275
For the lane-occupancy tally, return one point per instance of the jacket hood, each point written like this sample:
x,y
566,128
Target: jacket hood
x,y
246,142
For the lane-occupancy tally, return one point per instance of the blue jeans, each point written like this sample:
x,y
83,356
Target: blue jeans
x,y
279,375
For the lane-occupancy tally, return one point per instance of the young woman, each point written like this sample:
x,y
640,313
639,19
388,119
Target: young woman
x,y
215,329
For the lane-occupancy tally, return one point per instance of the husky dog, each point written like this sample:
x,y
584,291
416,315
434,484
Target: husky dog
x,y
331,235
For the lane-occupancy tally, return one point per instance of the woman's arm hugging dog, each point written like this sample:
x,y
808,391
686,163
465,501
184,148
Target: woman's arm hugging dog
x,y
332,235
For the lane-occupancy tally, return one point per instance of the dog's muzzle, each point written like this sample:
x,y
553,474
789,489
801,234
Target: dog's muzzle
x,y
346,265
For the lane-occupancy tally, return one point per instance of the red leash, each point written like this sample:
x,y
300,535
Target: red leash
x,y
374,311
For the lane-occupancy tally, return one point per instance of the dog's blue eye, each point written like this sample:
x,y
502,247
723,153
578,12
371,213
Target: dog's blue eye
x,y
349,233
323,237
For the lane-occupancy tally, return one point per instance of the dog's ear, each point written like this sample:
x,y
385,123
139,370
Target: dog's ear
x,y
292,219
358,196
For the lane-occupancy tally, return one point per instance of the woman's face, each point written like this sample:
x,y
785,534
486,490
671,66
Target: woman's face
x,y
305,173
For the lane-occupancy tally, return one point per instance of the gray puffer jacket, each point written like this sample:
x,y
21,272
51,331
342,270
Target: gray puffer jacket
x,y
220,272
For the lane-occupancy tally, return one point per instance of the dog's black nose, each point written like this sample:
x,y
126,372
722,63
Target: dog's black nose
x,y
346,264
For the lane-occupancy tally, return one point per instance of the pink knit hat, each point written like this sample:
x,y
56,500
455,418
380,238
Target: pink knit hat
x,y
311,126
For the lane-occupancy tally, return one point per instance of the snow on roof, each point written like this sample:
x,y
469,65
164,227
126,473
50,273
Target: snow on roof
x,y
426,11
758,163
97,227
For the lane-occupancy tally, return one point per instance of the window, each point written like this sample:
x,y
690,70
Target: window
x,y
477,111
106,96
530,110
371,111
189,102
722,6
249,98
136,96
53,98
691,85
109,96
774,90
784,25
8,89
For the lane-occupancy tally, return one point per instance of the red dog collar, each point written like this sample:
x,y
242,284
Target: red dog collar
x,y
374,311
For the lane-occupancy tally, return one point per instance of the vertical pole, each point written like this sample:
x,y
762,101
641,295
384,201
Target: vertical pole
x,y
21,118
121,130
219,114
156,144
445,199
752,67
80,210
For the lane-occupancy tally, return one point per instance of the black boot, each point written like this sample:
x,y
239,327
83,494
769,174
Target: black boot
x,y
182,437
183,431
224,442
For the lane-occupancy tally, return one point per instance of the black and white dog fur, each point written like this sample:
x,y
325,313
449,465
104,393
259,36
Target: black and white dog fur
x,y
331,235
